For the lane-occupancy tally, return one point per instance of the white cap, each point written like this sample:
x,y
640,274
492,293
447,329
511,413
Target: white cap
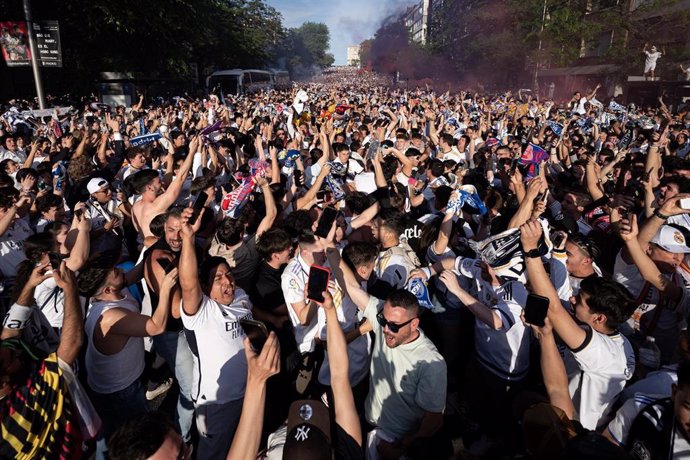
x,y
671,239
96,184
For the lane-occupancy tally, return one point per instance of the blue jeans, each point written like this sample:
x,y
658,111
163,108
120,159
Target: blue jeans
x,y
173,348
115,409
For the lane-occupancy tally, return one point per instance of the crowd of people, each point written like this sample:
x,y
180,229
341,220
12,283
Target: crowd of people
x,y
504,271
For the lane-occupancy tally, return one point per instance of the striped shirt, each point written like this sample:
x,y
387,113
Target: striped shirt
x,y
37,417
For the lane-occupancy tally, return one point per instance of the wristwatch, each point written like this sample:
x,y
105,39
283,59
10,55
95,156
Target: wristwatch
x,y
533,253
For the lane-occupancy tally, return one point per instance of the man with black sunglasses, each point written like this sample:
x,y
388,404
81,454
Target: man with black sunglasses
x,y
407,389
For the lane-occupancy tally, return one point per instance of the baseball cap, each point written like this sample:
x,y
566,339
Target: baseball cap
x,y
96,184
308,431
671,239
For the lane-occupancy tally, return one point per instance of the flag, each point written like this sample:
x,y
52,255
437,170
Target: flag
x,y
557,128
466,195
145,139
616,107
531,158
338,193
417,287
142,127
210,129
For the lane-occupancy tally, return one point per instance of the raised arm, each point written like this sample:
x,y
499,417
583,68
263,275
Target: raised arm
x,y
346,279
122,322
345,411
309,197
72,334
189,277
481,311
553,370
271,210
650,272
260,367
164,201
564,325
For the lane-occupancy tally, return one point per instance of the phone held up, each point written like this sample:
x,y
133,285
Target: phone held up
x,y
256,332
317,283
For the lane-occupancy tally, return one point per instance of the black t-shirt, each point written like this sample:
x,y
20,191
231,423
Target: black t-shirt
x,y
265,291
344,446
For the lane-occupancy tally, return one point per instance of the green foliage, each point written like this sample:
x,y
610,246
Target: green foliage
x,y
157,37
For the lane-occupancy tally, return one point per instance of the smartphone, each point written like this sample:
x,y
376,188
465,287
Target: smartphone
x,y
545,197
78,213
557,239
55,260
324,196
685,203
513,166
317,283
326,222
645,176
256,332
167,264
536,309
198,206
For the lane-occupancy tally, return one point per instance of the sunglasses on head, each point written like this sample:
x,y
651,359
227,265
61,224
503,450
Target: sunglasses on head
x,y
393,327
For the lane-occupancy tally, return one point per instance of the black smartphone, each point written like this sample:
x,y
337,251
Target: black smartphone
x,y
317,283
256,332
536,309
513,166
198,206
558,239
326,222
321,195
78,213
167,264
55,260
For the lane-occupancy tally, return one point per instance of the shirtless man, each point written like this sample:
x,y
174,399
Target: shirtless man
x,y
154,201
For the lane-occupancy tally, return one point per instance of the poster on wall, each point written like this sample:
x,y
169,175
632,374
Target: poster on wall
x,y
14,42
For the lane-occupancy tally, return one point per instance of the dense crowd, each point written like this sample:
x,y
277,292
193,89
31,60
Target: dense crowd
x,y
505,272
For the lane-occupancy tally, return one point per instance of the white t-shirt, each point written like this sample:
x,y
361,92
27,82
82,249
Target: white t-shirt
x,y
651,58
597,371
405,381
215,338
12,247
365,182
668,325
619,427
293,282
395,264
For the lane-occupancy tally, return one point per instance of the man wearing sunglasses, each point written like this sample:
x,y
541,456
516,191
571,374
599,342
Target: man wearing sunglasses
x,y
407,389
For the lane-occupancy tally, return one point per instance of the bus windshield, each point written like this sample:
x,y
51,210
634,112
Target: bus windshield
x,y
227,82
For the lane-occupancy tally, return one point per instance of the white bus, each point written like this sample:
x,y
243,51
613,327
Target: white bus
x,y
240,81
281,79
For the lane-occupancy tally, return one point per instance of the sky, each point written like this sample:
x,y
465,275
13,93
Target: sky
x,y
349,21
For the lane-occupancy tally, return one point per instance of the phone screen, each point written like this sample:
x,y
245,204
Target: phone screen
x,y
318,283
326,222
256,332
55,260
536,309
198,206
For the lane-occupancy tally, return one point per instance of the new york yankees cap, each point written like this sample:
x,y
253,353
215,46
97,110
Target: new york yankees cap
x,y
308,431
